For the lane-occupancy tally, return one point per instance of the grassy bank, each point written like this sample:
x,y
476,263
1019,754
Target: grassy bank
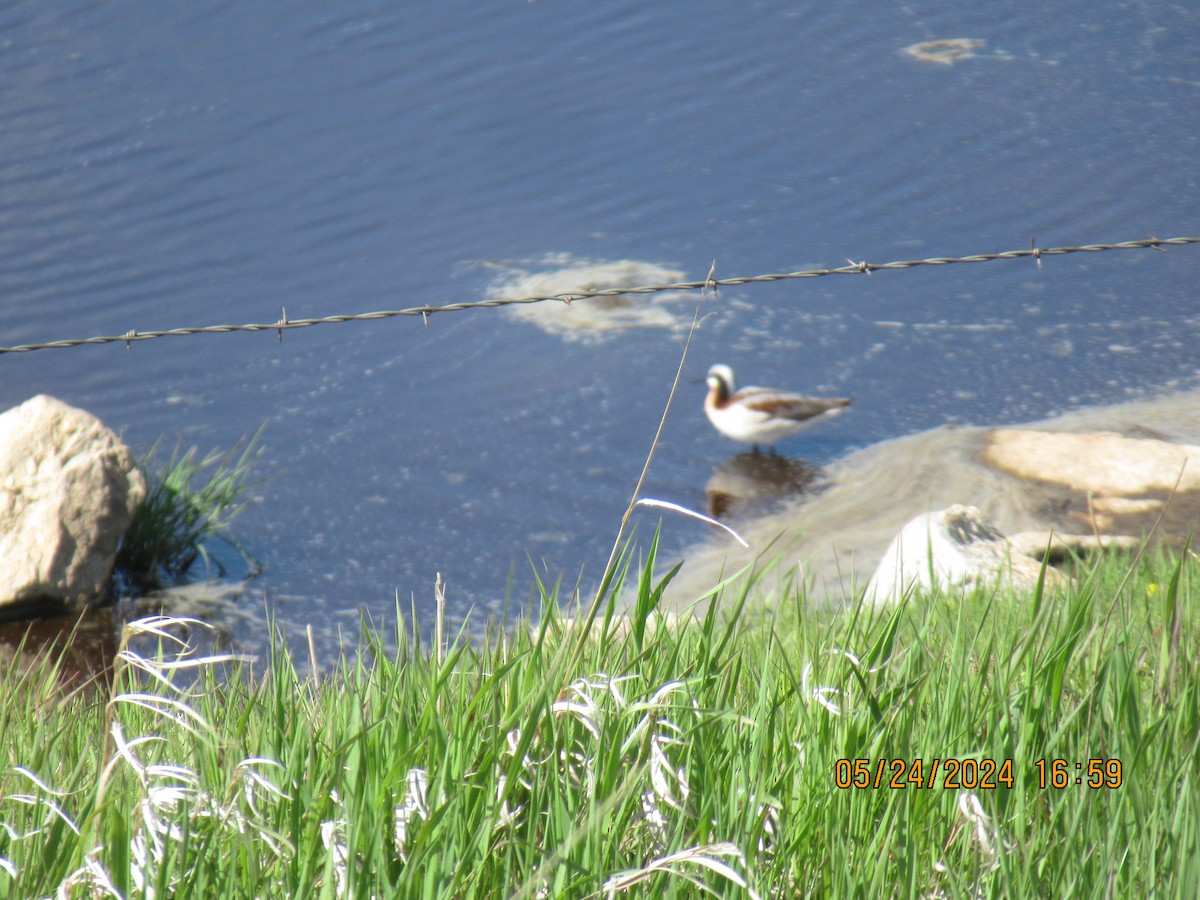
x,y
651,760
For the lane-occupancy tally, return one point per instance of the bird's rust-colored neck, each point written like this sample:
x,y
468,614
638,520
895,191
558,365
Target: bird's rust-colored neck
x,y
720,393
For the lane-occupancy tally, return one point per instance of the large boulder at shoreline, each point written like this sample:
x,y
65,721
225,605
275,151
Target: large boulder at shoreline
x,y
68,491
951,548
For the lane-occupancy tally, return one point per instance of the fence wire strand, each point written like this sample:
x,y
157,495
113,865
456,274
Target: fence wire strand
x,y
854,268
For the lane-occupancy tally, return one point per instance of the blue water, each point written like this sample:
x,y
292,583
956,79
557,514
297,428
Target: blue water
x,y
168,165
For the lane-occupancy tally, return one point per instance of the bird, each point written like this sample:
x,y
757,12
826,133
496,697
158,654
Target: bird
x,y
756,415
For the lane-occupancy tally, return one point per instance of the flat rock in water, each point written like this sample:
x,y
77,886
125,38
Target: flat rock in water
x,y
68,491
1101,462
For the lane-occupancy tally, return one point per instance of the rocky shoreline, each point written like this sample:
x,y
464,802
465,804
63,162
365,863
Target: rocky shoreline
x,y
1105,474
986,500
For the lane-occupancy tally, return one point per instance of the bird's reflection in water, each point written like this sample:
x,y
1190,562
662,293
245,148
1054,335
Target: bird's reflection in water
x,y
750,478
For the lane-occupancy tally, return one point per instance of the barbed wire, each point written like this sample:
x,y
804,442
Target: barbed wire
x,y
854,268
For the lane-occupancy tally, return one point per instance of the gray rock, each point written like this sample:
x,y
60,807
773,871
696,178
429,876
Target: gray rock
x,y
950,548
68,491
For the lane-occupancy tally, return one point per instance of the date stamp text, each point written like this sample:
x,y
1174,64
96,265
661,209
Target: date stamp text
x,y
971,774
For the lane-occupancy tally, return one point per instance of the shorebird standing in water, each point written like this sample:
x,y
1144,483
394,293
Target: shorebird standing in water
x,y
756,415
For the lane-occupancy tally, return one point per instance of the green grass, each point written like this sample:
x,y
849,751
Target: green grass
x,y
650,760
189,499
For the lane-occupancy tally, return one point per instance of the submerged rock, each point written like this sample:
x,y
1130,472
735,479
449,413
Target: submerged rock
x,y
592,319
946,51
68,491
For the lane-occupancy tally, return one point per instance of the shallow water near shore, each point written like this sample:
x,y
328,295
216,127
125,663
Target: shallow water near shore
x,y
213,164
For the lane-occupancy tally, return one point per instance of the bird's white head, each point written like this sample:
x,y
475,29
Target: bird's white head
x,y
720,379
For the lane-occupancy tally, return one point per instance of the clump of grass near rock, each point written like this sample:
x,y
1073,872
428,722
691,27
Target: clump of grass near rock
x,y
189,500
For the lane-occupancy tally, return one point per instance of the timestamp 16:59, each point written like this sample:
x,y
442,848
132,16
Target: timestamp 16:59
x,y
1059,773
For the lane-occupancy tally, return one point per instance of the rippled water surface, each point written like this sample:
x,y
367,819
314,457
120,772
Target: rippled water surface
x,y
169,165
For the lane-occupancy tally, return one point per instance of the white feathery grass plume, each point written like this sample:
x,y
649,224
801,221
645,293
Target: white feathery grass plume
x,y
91,875
159,626
853,657
156,665
512,741
580,769
41,785
528,763
415,805
601,706
653,706
613,687
822,694
602,683
768,819
333,837
666,690
508,816
157,807
123,752
987,835
579,699
652,815
675,507
769,816
669,783
252,781
171,802
161,670
148,847
170,710
706,855
52,806
35,800
585,710
13,834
